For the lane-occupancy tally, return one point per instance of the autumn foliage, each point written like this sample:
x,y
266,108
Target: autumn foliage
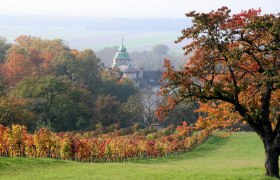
x,y
30,56
217,115
45,83
17,142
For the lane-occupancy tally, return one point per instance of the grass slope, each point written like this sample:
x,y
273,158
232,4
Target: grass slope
x,y
239,156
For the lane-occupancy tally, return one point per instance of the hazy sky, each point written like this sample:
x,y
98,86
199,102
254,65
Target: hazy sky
x,y
129,8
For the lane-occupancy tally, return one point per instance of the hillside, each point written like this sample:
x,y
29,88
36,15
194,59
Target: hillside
x,y
239,156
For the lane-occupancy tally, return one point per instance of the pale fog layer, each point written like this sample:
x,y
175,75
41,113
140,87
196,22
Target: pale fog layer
x,y
97,33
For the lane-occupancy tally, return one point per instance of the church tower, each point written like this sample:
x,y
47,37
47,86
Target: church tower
x,y
121,57
123,62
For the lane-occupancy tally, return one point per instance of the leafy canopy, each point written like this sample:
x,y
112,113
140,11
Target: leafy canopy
x,y
235,64
235,59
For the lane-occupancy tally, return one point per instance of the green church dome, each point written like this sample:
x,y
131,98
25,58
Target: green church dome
x,y
122,54
122,48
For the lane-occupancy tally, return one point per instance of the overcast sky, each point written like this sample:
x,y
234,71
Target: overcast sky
x,y
129,8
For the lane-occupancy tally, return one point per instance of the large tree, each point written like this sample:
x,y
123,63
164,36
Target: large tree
x,y
30,56
235,60
58,103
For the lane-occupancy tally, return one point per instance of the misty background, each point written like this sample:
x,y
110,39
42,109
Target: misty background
x,y
149,41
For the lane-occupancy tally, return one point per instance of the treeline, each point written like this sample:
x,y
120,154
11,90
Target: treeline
x,y
44,83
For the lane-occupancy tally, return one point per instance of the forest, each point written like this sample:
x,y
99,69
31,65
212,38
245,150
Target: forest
x,y
47,84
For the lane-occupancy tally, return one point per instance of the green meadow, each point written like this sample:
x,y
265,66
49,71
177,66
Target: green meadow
x,y
239,156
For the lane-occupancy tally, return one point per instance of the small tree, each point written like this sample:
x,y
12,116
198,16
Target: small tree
x,y
132,111
150,103
107,109
4,47
235,59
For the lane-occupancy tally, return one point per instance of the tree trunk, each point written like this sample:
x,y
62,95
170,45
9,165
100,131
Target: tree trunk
x,y
271,163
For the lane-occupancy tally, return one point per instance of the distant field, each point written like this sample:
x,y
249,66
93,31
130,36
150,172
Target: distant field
x,y
97,33
239,156
82,38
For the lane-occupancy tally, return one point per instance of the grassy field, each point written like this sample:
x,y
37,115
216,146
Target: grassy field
x,y
239,156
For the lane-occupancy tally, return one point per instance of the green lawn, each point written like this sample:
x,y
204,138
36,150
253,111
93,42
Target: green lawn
x,y
239,156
